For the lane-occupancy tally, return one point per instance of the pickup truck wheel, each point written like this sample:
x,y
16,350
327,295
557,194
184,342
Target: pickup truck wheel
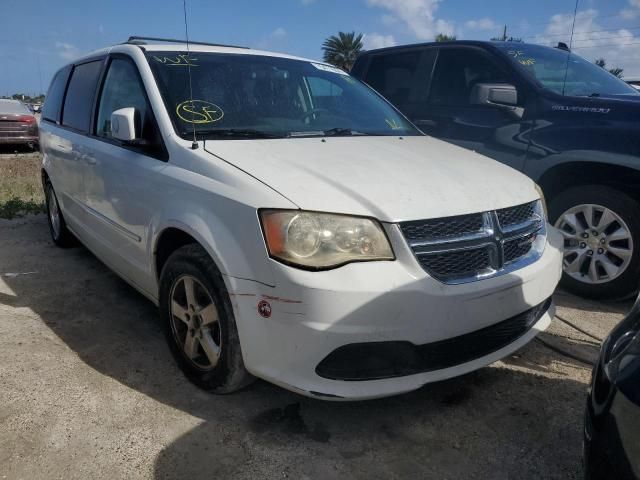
x,y
60,234
199,323
601,228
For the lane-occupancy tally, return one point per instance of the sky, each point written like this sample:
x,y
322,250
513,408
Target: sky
x,y
39,36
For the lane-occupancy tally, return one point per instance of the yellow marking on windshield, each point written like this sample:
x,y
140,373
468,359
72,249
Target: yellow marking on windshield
x,y
199,111
393,124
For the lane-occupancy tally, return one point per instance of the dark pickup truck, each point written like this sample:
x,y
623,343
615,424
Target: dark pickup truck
x,y
570,125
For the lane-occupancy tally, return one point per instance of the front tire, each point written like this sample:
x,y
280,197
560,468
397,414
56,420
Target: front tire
x,y
198,322
601,227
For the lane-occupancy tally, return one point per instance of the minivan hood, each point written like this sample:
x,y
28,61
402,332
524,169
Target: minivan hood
x,y
390,178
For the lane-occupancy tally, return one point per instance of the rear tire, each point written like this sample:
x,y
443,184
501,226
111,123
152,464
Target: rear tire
x,y
198,322
569,206
60,234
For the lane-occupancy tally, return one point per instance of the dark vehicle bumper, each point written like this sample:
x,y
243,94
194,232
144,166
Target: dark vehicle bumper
x,y
17,139
610,431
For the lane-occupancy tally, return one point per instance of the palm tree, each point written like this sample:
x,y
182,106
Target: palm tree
x,y
441,37
617,71
342,50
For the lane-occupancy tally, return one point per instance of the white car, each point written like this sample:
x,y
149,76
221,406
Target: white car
x,y
291,224
635,83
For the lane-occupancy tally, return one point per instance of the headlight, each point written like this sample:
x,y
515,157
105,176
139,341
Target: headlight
x,y
323,240
542,201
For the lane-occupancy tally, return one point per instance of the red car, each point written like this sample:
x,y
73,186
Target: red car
x,y
18,126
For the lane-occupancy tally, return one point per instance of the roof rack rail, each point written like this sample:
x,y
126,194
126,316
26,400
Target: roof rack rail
x,y
136,40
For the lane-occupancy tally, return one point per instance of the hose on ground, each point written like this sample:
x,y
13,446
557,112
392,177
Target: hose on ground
x,y
575,327
564,352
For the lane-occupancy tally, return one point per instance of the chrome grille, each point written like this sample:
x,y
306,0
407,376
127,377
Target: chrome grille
x,y
443,227
514,249
471,247
465,262
516,215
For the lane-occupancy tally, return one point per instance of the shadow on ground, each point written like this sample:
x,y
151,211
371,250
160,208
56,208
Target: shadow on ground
x,y
15,149
496,423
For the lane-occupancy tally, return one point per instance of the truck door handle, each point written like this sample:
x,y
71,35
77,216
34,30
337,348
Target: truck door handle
x,y
426,123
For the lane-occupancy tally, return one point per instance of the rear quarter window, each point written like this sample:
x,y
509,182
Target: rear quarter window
x,y
78,103
53,101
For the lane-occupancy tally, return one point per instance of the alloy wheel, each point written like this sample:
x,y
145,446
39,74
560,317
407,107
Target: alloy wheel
x,y
598,243
195,323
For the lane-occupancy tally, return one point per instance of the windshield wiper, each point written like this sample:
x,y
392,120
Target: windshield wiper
x,y
337,132
332,132
235,133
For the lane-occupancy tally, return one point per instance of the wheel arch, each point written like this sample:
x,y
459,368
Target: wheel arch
x,y
230,256
44,176
579,172
167,242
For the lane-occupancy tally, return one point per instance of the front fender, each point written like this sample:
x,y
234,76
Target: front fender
x,y
231,235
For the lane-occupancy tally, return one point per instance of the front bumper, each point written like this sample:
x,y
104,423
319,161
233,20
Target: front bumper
x,y
312,314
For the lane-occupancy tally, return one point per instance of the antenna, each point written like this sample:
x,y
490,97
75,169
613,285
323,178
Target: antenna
x,y
573,26
194,144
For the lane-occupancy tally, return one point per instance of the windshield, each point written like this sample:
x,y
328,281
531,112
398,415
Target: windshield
x,y
252,96
548,66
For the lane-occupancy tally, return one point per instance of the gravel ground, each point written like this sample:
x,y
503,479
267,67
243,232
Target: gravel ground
x,y
88,390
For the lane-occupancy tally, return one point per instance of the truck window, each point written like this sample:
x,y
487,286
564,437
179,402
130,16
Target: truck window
x,y
458,70
79,101
402,77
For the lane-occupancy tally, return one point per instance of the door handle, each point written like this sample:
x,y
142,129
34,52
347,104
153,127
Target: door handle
x,y
64,148
426,123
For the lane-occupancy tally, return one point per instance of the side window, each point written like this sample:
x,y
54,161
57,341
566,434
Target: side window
x,y
325,94
323,88
458,71
402,77
80,94
122,88
53,101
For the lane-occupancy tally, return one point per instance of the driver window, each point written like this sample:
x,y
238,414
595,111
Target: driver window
x,y
325,94
122,88
458,71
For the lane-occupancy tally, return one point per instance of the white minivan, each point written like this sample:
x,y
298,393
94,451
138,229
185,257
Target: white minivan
x,y
290,223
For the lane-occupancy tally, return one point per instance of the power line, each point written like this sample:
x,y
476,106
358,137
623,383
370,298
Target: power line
x,y
582,33
599,17
607,45
609,37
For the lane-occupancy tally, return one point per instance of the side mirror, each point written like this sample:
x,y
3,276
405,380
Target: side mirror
x,y
123,124
497,94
